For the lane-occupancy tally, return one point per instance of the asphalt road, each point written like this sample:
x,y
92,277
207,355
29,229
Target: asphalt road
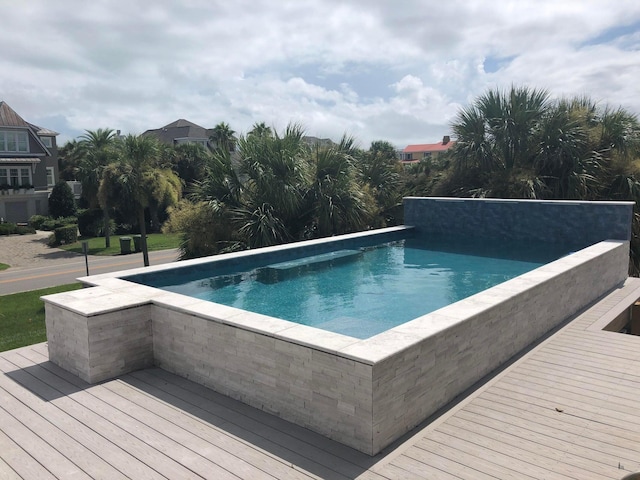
x,y
63,271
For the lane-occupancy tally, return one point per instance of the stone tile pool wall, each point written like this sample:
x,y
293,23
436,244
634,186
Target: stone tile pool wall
x,y
556,221
363,393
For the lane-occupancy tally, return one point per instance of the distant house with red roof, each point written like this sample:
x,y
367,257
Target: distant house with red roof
x,y
417,153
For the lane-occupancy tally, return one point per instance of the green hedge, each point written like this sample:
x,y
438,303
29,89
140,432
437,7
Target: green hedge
x,y
12,228
67,234
52,223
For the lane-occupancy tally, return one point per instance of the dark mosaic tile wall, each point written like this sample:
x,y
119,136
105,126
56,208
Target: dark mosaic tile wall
x,y
563,222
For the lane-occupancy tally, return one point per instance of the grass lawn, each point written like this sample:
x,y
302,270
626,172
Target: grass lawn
x,y
155,241
3,266
22,317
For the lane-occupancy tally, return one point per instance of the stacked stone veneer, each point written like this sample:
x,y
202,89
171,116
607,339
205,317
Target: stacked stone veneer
x,y
363,393
98,334
328,393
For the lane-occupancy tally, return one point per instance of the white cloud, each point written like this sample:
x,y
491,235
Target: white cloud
x,y
382,70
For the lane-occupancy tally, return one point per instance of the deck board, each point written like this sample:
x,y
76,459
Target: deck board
x,y
567,409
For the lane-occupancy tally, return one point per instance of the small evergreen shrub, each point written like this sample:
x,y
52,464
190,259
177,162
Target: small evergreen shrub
x,y
66,235
25,230
8,228
61,201
36,221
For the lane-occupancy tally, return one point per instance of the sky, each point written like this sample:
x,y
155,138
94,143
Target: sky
x,y
376,70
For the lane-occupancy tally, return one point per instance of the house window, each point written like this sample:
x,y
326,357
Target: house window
x,y
426,154
51,179
11,141
407,156
15,177
47,142
25,176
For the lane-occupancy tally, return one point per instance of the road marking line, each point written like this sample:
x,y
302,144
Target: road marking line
x,y
92,267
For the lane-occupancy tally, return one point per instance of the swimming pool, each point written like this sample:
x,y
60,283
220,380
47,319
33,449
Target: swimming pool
x,y
363,291
364,393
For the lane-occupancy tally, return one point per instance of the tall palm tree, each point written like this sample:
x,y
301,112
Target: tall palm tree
x,y
69,156
260,130
337,201
98,149
223,137
499,129
136,182
275,172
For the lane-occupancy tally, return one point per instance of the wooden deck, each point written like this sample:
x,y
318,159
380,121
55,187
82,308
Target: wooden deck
x,y
568,409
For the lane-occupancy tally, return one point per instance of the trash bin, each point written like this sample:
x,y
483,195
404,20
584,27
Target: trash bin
x,y
136,243
125,245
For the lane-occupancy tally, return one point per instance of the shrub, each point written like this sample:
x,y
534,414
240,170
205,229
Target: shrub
x,y
61,201
36,221
206,229
52,223
24,230
11,228
123,228
8,228
67,234
91,223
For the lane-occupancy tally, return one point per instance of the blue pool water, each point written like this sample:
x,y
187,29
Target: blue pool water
x,y
364,291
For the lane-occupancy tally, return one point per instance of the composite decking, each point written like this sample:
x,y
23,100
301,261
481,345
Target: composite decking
x,y
567,409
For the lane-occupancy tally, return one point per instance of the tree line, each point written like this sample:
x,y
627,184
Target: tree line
x,y
247,191
269,187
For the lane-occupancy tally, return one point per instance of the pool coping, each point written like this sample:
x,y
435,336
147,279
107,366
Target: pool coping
x,y
120,293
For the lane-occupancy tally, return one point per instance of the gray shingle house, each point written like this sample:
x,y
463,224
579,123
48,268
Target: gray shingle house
x,y
182,131
28,166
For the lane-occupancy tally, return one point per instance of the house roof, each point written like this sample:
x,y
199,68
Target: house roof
x,y
428,147
43,131
9,117
19,160
181,128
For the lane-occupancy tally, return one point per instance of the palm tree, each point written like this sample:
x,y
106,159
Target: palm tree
x,y
338,203
499,129
98,149
260,130
69,156
223,137
136,182
275,170
380,171
189,161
